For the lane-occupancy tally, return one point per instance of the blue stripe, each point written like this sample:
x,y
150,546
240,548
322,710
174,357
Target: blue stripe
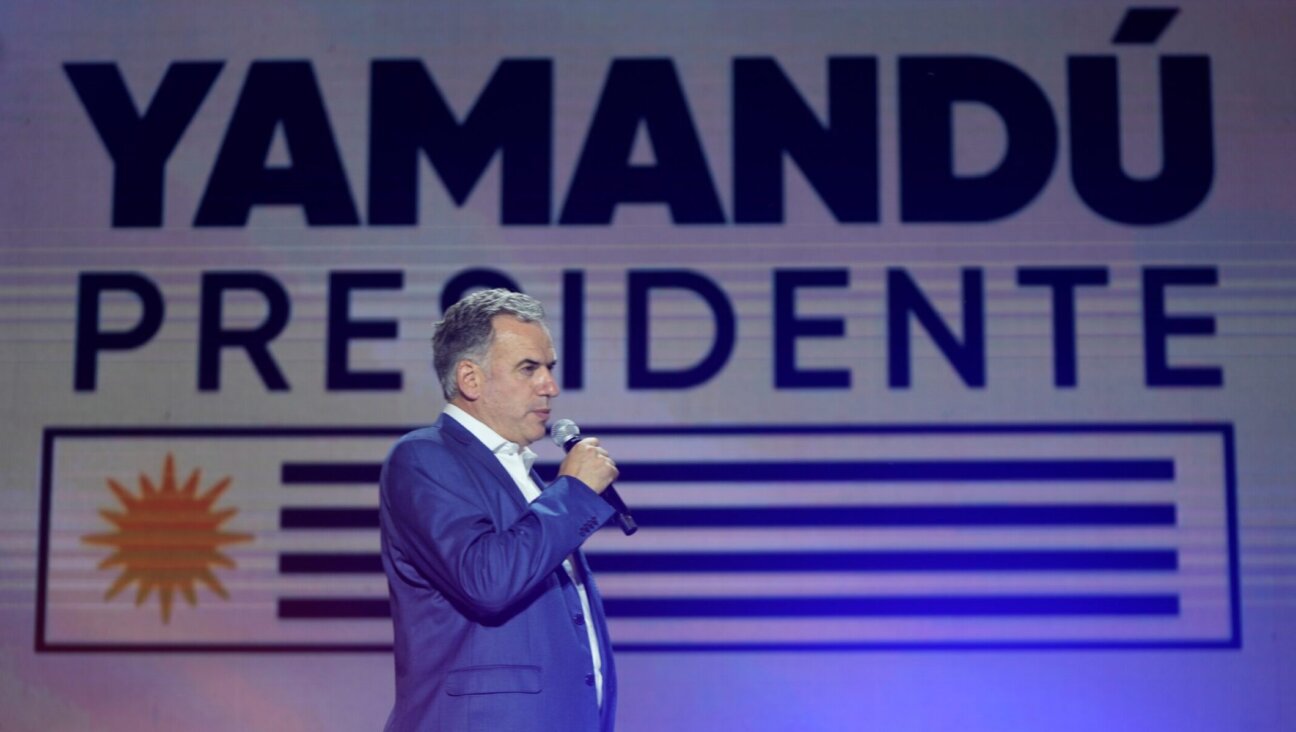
x,y
889,561
297,473
334,608
800,471
1085,514
903,605
297,517
1046,560
330,563
356,608
1149,514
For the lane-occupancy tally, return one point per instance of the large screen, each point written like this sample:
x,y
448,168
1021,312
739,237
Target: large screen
x,y
945,349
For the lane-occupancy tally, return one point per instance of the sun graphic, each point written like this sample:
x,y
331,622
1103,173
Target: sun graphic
x,y
168,538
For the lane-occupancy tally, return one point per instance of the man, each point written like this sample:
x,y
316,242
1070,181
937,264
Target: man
x,y
498,624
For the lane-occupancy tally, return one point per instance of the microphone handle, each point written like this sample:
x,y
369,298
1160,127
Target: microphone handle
x,y
624,519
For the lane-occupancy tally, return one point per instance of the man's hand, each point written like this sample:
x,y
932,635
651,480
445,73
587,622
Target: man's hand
x,y
590,464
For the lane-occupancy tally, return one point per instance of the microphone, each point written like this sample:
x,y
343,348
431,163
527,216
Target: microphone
x,y
565,435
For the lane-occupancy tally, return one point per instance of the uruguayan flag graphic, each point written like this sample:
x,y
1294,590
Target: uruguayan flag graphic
x,y
830,536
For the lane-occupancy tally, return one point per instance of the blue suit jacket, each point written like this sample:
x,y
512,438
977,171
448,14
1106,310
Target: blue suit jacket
x,y
489,633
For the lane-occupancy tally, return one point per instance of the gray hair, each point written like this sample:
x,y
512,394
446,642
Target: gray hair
x,y
466,331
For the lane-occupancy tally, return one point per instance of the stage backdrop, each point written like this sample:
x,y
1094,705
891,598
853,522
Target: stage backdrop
x,y
946,349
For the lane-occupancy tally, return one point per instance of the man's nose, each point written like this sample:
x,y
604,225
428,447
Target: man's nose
x,y
549,385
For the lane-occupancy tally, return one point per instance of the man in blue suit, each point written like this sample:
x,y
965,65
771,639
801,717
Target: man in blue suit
x,y
498,624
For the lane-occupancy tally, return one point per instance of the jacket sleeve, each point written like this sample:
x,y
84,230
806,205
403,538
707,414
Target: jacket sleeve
x,y
439,524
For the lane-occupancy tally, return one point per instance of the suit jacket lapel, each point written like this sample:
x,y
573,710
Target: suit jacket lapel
x,y
474,447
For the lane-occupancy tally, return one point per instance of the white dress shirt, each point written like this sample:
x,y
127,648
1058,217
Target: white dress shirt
x,y
517,460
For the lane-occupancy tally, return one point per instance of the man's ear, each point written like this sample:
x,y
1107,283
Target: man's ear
x,y
469,377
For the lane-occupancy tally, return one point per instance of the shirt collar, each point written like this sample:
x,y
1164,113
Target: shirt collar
x,y
489,437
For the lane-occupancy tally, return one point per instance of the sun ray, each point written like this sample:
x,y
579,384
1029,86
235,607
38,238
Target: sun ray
x,y
168,538
232,539
165,592
224,515
122,494
191,484
146,587
187,589
124,579
112,517
213,584
214,492
168,474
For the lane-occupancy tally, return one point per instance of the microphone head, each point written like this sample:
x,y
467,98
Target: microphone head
x,y
563,432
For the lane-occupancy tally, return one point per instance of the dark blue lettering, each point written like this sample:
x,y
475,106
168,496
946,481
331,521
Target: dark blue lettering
x,y
140,145
474,279
930,189
643,92
573,329
788,328
839,161
91,338
1187,147
278,95
1063,281
640,284
904,298
513,115
213,337
342,329
1158,326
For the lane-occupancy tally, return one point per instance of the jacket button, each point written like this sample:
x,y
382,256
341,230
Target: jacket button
x,y
578,619
589,679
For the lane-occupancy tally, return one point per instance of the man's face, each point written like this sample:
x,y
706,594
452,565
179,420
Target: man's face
x,y
518,382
